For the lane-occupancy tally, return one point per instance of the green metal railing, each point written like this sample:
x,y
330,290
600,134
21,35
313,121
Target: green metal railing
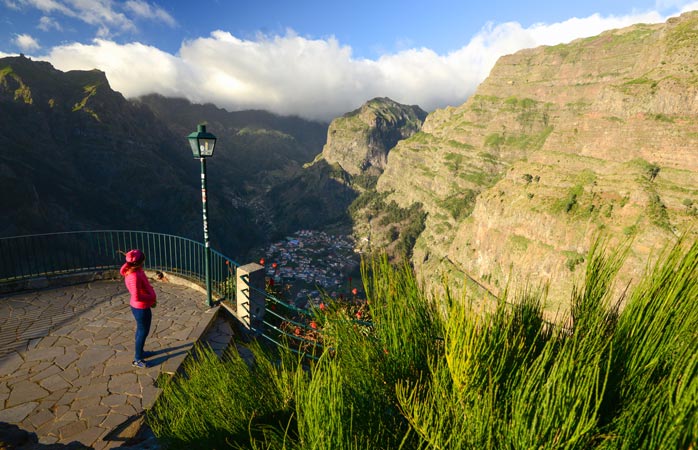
x,y
285,324
56,254
28,257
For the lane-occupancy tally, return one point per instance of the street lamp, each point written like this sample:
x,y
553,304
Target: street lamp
x,y
202,144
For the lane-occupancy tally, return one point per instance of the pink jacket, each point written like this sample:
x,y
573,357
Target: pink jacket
x,y
142,293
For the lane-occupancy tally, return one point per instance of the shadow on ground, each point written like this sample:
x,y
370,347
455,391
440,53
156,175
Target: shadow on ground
x,y
13,437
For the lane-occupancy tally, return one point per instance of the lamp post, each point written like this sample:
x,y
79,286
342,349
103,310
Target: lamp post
x,y
202,144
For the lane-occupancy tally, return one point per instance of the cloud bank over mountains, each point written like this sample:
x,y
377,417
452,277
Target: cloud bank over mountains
x,y
313,78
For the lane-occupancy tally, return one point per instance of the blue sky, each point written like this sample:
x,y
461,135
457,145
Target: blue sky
x,y
314,58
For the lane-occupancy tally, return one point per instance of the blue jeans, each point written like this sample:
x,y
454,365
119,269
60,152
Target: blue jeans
x,y
143,318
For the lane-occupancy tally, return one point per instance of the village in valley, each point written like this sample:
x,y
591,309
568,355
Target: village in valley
x,y
309,264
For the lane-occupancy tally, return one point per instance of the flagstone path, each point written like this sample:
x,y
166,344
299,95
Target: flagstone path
x,y
65,358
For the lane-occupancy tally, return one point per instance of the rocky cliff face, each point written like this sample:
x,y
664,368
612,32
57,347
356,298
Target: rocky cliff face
x,y
360,140
559,145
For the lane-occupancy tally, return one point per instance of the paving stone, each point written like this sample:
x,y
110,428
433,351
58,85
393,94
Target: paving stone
x,y
92,357
25,391
94,410
93,402
18,413
124,384
136,401
10,363
70,375
98,388
65,341
85,337
45,354
36,365
149,396
48,372
69,430
90,436
18,375
47,433
69,357
114,400
125,409
56,394
48,440
47,342
94,413
113,420
67,417
40,417
120,364
54,383
68,398
59,410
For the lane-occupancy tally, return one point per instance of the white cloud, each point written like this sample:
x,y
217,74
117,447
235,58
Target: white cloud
x,y
145,10
45,6
108,17
26,43
315,78
12,5
101,13
690,6
47,24
676,4
133,69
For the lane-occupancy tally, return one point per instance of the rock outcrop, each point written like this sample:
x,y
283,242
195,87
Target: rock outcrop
x,y
359,141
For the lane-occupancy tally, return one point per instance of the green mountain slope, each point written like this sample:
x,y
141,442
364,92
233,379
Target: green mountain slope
x,y
74,154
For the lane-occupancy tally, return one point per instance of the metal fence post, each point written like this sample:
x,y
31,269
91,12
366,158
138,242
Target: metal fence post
x,y
251,297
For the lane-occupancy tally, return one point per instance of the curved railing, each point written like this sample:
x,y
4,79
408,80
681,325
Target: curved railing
x,y
52,255
60,255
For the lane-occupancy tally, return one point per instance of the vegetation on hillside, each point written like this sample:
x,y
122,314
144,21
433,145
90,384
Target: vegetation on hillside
x,y
398,227
446,373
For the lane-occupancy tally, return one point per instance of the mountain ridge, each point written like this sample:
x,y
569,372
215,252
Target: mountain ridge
x,y
77,155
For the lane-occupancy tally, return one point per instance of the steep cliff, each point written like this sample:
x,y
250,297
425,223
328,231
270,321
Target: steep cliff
x,y
558,145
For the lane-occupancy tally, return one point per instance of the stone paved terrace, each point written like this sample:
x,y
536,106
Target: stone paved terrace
x,y
65,358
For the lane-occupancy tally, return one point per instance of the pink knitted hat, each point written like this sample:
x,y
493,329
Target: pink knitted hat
x,y
134,257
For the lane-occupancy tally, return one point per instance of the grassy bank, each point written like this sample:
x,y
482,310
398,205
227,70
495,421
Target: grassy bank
x,y
444,374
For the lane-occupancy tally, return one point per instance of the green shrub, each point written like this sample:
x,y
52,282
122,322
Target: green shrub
x,y
447,373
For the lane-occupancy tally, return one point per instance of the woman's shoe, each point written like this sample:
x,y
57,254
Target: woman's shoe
x,y
139,363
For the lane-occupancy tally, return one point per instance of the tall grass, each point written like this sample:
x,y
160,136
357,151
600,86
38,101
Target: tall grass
x,y
446,374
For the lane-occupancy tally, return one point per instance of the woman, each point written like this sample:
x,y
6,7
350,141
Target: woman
x,y
142,299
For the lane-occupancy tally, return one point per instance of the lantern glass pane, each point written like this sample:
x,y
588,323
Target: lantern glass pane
x,y
206,146
193,142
